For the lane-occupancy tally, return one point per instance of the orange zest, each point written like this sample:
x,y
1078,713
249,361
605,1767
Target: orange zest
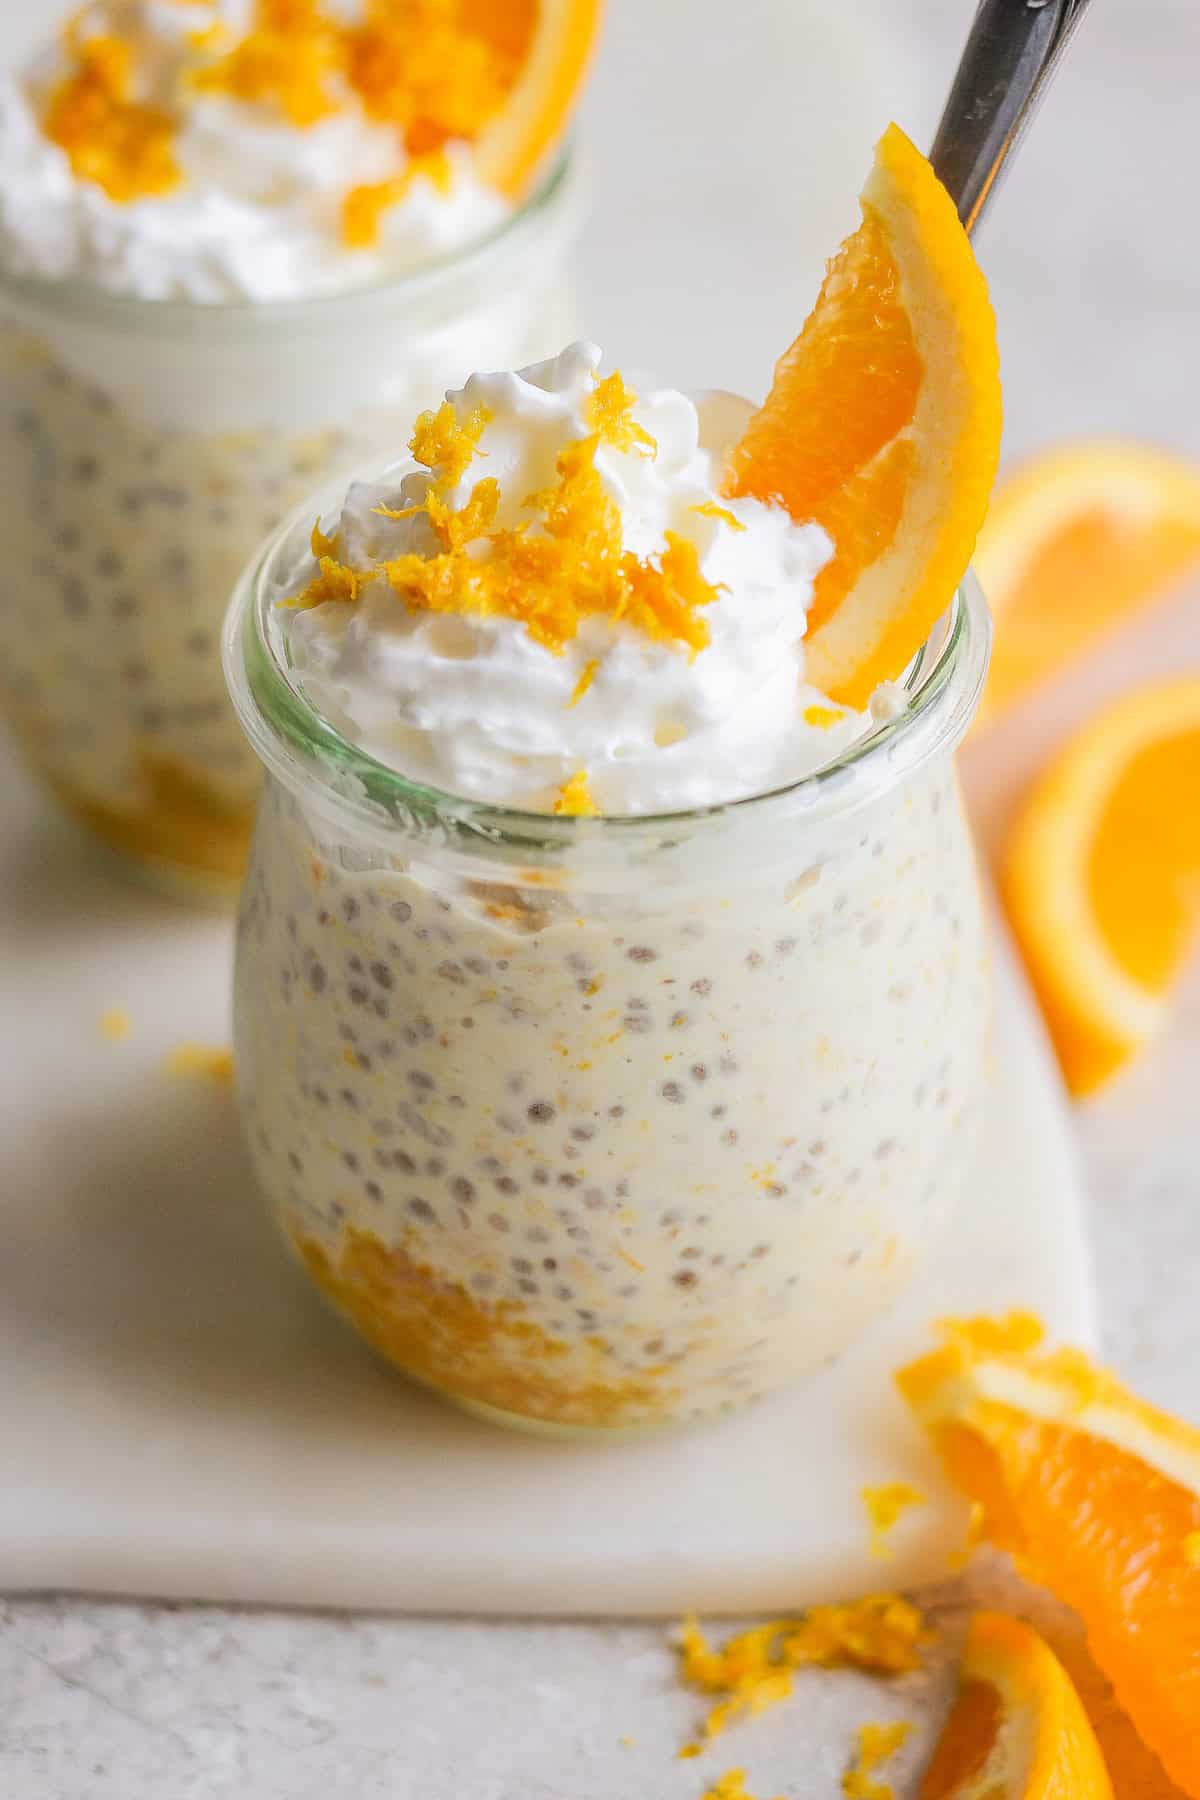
x,y
876,1745
499,76
572,567
754,1669
1096,1494
120,143
1018,1730
1101,877
1077,540
575,798
885,1506
883,426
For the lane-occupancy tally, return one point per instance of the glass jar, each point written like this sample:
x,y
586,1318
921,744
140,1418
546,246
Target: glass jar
x,y
148,446
595,1124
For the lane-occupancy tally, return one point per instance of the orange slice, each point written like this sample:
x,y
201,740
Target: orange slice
x,y
1018,1730
1075,541
883,425
1101,876
552,42
1098,1497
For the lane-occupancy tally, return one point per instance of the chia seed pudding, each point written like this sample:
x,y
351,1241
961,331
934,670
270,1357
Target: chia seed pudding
x,y
179,364
597,1122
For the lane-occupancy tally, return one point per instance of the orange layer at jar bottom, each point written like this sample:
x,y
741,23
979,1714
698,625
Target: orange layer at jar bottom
x,y
176,822
433,1330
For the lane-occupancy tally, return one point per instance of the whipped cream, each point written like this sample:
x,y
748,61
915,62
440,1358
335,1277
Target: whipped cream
x,y
257,215
474,705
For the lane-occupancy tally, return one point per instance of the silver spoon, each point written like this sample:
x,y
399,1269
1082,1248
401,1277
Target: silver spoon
x,y
1012,51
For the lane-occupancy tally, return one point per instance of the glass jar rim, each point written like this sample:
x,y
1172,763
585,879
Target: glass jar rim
x,y
548,207
310,757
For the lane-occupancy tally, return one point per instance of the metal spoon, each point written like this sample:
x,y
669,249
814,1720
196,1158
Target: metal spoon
x,y
1012,51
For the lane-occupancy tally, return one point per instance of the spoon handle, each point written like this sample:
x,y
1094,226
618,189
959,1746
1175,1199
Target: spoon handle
x,y
1013,48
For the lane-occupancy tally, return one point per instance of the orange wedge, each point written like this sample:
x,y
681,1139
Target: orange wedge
x,y
1018,1730
1075,541
1101,876
883,425
551,42
1098,1497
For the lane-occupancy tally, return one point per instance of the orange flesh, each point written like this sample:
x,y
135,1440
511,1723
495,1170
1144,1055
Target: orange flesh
x,y
1105,1532
842,395
1144,866
966,1743
1083,580
1136,1772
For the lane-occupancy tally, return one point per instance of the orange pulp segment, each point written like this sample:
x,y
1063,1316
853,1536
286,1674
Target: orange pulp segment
x,y
1096,1494
1018,1730
1101,876
1076,540
883,426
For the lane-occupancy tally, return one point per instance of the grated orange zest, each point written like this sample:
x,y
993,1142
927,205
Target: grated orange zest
x,y
364,206
709,509
441,443
202,1059
610,415
288,61
122,144
823,717
753,1670
586,677
730,1786
877,1744
575,798
419,65
886,1505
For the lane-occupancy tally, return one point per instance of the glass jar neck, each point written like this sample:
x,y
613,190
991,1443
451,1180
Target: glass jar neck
x,y
364,801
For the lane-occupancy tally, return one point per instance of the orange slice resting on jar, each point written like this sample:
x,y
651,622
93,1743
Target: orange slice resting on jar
x,y
548,43
1097,1496
1101,877
1018,1730
883,426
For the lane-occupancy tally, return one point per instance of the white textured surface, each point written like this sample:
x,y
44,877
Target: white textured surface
x,y
1098,291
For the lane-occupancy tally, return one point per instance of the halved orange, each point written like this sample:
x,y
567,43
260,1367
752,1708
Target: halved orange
x,y
1101,876
551,42
883,425
1098,1497
1018,1730
1076,540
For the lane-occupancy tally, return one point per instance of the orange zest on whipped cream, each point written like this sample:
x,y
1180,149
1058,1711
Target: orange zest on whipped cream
x,y
574,565
364,206
424,67
575,798
287,62
110,137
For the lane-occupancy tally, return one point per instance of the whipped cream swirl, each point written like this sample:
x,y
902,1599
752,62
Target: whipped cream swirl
x,y
476,706
257,215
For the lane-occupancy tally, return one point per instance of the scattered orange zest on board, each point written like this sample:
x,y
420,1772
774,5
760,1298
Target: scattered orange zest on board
x,y
753,1670
214,1064
883,426
1076,541
1018,1730
886,1506
1101,877
877,1744
1096,1494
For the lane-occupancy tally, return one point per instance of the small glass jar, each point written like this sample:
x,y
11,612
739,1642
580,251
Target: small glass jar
x,y
146,447
598,1124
